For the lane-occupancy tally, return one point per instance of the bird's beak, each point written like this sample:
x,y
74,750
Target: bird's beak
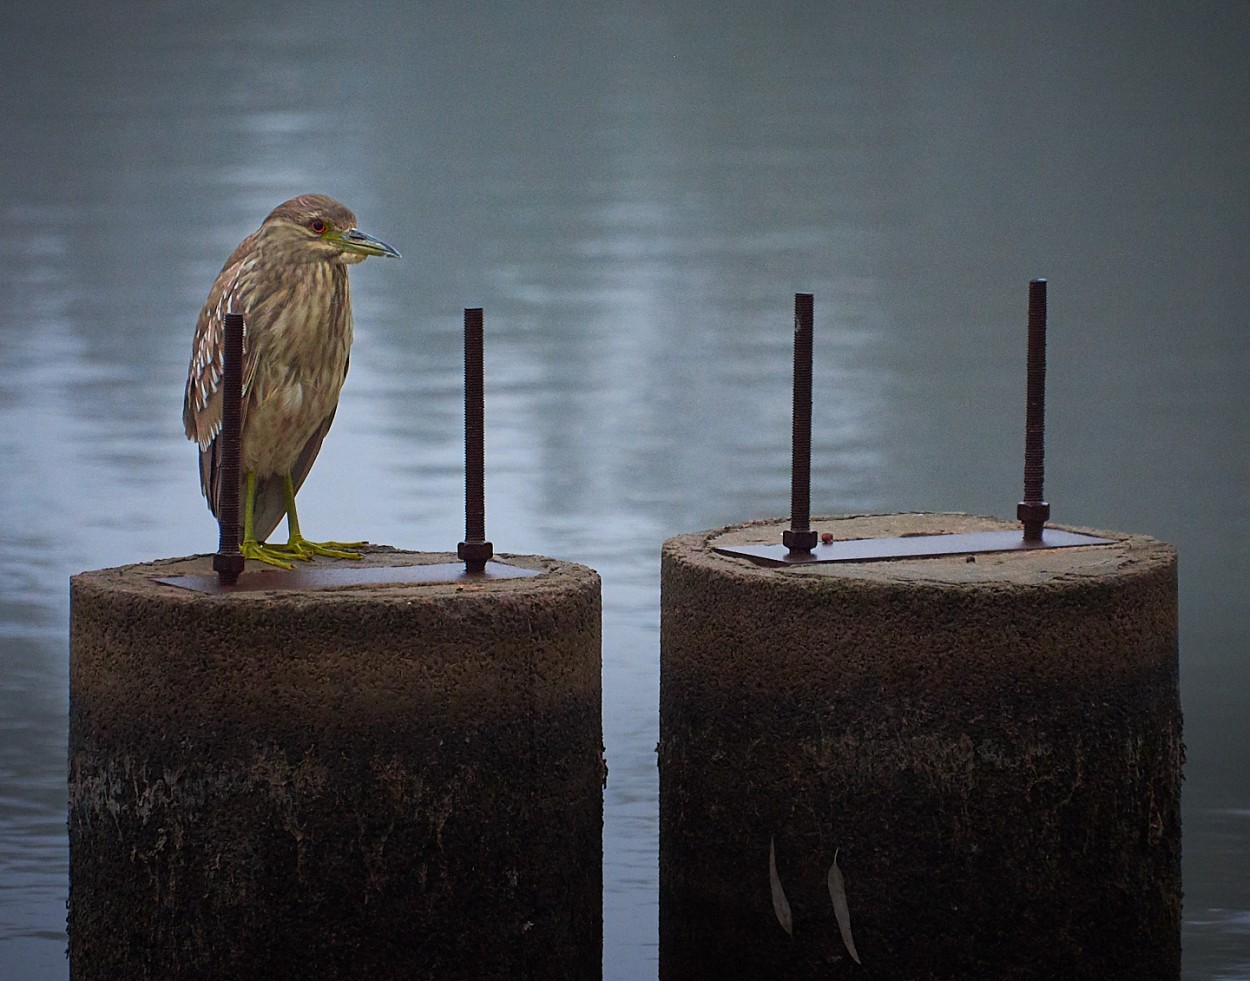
x,y
354,240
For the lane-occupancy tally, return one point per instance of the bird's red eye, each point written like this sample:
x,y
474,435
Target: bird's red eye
x,y
318,226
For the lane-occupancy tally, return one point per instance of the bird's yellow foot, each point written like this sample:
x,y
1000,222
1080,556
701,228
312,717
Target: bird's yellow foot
x,y
299,547
269,554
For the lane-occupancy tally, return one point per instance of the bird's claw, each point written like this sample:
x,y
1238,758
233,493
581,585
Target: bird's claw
x,y
299,547
269,554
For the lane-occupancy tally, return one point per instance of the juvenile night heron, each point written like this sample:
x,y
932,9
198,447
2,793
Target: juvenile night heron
x,y
289,280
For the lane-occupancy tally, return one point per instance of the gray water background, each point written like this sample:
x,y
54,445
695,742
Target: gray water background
x,y
634,192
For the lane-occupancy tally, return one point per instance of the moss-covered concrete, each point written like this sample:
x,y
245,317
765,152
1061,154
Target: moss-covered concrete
x,y
991,747
383,781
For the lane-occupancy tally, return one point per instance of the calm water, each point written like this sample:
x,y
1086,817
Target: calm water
x,y
634,195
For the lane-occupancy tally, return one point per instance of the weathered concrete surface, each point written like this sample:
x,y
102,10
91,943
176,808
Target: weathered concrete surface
x,y
993,749
378,781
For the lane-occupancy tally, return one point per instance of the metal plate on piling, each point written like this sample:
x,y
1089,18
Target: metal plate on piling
x,y
910,547
313,576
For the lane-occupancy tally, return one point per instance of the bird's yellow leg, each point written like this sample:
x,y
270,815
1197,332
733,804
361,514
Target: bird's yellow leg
x,y
251,548
299,547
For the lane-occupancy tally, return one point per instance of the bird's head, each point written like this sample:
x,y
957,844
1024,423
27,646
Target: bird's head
x,y
313,227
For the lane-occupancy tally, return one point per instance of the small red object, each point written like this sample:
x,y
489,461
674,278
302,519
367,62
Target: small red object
x,y
826,538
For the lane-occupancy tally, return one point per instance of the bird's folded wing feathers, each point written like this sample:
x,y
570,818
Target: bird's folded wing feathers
x,y
201,408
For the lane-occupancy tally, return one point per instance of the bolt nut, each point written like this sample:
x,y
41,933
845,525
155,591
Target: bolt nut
x,y
228,565
798,541
475,554
1033,512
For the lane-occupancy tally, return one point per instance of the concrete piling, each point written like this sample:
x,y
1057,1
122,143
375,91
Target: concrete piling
x,y
380,781
991,745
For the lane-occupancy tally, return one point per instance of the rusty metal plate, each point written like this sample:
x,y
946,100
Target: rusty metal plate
x,y
911,547
311,576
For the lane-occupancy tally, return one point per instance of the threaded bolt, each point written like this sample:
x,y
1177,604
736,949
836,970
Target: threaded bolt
x,y
1033,511
229,562
474,550
799,537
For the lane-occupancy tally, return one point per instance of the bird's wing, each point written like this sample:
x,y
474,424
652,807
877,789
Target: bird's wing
x,y
201,407
304,462
269,507
270,504
308,454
